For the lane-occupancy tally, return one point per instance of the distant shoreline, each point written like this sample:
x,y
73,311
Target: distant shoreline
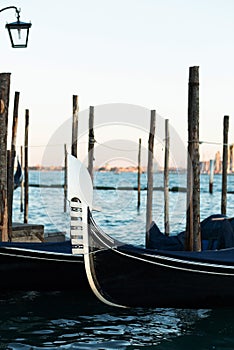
x,y
119,170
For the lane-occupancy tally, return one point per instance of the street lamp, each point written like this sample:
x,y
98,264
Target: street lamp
x,y
18,31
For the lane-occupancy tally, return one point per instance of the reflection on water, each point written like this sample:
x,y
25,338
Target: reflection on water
x,y
36,320
65,320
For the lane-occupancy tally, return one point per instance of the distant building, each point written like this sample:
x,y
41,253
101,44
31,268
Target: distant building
x,y
218,163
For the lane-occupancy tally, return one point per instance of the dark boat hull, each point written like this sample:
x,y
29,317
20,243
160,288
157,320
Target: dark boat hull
x,y
32,269
130,282
134,277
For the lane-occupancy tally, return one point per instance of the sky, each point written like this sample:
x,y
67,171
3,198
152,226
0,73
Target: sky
x,y
135,52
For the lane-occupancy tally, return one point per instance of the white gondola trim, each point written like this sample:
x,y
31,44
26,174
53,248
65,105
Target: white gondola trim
x,y
76,251
76,205
76,223
43,258
176,260
77,241
76,214
76,227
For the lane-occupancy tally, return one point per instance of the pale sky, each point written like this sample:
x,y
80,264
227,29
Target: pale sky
x,y
136,52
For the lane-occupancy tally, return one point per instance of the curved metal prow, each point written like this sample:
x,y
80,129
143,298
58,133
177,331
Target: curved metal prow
x,y
80,196
77,226
79,183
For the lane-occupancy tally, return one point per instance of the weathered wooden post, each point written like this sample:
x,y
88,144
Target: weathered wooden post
x,y
4,104
22,183
193,230
166,179
26,167
225,162
9,194
211,179
75,126
150,175
231,149
139,176
12,155
65,178
91,142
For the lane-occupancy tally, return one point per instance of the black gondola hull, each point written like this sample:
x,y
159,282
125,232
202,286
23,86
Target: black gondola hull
x,y
130,282
26,269
129,276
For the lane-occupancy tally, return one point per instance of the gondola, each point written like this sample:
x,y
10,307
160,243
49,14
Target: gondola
x,y
48,265
128,276
41,266
125,275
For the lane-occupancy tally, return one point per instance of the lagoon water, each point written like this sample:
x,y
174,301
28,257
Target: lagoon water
x,y
64,320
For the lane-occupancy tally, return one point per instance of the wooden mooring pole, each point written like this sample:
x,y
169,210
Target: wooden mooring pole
x,y
9,194
91,142
149,203
166,179
12,155
211,179
75,126
193,230
225,164
65,178
22,183
26,167
4,105
139,176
